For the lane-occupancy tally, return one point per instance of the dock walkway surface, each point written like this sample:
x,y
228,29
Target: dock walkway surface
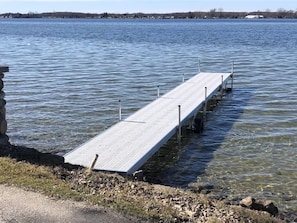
x,y
127,145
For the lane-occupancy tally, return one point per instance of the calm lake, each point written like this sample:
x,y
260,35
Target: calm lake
x,y
66,77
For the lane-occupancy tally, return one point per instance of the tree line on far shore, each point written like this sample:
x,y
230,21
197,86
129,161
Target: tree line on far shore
x,y
213,13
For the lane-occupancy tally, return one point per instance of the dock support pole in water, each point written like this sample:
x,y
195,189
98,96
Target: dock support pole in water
x,y
179,123
158,91
199,66
205,105
120,110
183,78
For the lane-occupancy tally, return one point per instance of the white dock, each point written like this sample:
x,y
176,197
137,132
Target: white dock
x,y
127,145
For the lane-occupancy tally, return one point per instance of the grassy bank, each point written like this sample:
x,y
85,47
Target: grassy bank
x,y
148,202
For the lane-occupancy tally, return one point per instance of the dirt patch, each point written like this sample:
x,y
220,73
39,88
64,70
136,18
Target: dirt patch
x,y
18,205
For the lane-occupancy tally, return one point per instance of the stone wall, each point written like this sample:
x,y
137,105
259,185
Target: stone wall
x,y
3,123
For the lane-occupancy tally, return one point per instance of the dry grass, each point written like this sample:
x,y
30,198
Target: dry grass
x,y
35,178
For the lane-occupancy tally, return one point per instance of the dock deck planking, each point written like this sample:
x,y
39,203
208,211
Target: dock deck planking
x,y
127,145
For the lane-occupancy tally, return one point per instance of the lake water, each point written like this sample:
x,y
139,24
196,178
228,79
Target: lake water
x,y
66,77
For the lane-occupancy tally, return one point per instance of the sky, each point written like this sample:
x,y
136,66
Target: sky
x,y
145,6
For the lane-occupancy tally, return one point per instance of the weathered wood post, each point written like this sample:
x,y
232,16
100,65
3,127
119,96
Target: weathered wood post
x,y
4,140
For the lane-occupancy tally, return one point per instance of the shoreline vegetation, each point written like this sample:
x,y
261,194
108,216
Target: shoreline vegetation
x,y
212,14
47,174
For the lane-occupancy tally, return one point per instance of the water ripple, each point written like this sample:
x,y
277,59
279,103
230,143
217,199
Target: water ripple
x,y
66,77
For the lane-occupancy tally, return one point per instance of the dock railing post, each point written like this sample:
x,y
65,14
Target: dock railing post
x,y
222,86
120,110
232,74
205,105
179,123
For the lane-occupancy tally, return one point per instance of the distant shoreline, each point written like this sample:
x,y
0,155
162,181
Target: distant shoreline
x,y
212,14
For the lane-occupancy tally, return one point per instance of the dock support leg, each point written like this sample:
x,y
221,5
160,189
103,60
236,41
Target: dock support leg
x,y
232,68
222,87
120,110
179,124
183,78
197,123
158,91
232,74
205,105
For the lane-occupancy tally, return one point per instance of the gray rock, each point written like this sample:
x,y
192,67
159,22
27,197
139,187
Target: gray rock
x,y
261,205
247,202
269,207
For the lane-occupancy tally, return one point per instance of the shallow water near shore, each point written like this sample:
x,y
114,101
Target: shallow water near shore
x,y
66,77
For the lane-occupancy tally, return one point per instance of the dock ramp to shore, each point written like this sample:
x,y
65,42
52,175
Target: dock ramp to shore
x,y
127,145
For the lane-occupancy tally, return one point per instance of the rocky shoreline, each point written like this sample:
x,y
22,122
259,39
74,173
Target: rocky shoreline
x,y
164,204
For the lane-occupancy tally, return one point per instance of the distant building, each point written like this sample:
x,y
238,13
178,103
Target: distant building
x,y
254,17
